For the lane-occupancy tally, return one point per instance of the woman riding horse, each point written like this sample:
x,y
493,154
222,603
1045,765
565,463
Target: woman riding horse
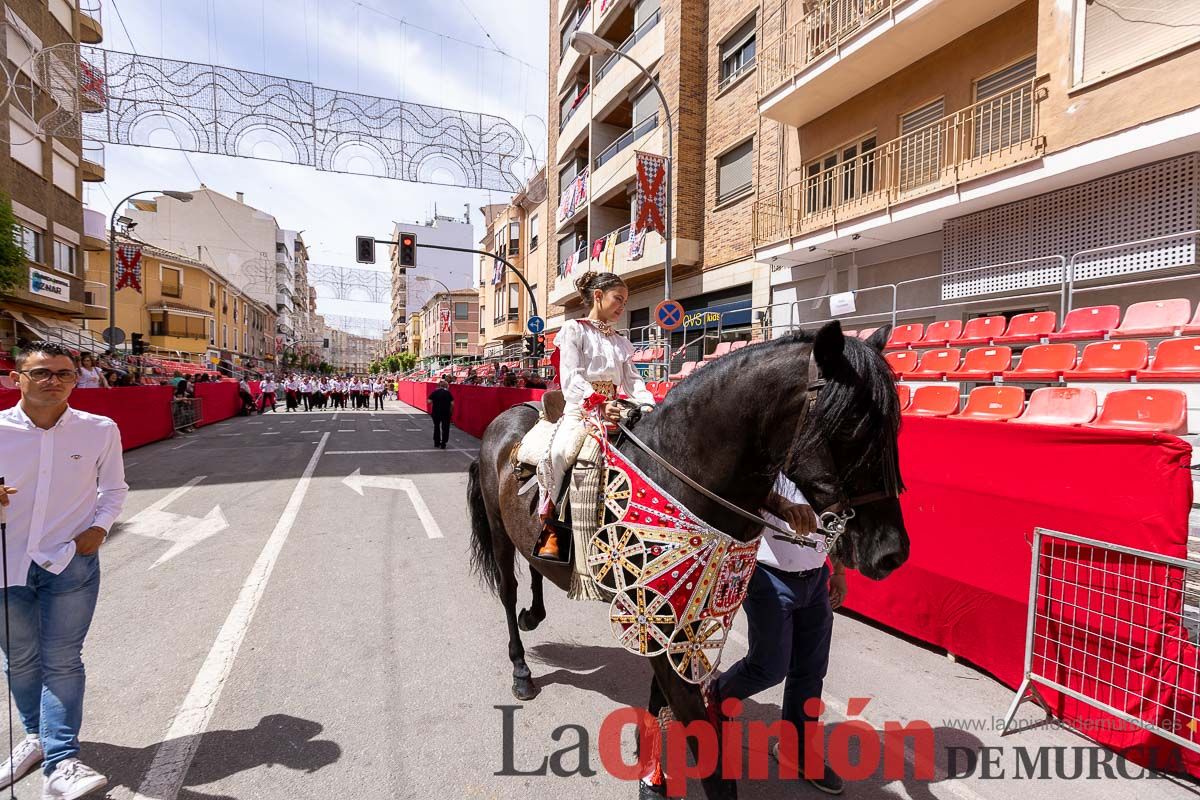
x,y
593,360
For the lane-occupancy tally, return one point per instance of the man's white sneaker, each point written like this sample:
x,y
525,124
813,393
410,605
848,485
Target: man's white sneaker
x,y
26,755
72,779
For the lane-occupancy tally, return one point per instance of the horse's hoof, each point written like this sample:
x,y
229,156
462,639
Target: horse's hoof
x,y
526,621
525,689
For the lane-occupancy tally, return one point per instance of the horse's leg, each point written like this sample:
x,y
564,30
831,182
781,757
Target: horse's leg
x,y
656,789
687,704
523,686
531,617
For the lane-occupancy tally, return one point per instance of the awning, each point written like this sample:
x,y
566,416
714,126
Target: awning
x,y
179,308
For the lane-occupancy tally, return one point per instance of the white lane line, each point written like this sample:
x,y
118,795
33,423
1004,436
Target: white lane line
x,y
388,452
269,433
256,423
286,421
229,434
310,431
347,430
185,444
379,430
131,464
174,756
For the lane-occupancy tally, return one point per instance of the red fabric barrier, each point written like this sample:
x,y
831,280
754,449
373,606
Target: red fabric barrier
x,y
143,413
219,401
976,491
474,406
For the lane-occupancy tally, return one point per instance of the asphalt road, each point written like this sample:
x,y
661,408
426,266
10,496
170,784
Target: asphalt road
x,y
265,630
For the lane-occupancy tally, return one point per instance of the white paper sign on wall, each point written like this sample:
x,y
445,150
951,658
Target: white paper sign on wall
x,y
841,304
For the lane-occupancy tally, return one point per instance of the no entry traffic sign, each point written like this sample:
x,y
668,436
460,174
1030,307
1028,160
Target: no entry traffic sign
x,y
669,314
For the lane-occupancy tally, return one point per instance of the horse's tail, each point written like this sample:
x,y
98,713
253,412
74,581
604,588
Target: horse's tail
x,y
483,554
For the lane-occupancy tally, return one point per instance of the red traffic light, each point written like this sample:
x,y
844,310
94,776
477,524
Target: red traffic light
x,y
408,250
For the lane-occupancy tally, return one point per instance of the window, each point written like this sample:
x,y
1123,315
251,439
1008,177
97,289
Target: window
x,y
25,147
921,143
65,175
461,310
737,54
212,294
514,237
735,171
235,310
643,11
64,257
639,323
498,304
30,242
534,231
514,301
158,327
212,332
172,282
224,302
224,337
645,105
1115,36
842,175
460,341
1003,112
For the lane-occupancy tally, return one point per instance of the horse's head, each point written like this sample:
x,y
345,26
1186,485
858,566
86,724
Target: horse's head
x,y
846,455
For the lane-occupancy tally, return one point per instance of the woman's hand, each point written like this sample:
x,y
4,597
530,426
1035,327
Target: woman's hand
x,y
612,411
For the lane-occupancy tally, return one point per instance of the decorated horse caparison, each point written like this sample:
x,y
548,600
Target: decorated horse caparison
x,y
821,408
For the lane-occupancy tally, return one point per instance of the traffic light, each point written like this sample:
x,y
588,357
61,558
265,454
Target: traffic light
x,y
408,250
366,249
539,348
138,344
530,346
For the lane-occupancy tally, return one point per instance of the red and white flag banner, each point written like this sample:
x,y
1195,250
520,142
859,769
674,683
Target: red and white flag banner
x,y
129,267
650,207
444,316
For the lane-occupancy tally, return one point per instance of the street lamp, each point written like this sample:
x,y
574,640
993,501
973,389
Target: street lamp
x,y
589,44
183,197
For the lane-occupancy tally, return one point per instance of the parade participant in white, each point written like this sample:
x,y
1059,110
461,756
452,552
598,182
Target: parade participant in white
x,y
593,359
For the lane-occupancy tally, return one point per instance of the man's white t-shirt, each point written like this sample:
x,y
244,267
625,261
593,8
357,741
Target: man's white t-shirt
x,y
785,555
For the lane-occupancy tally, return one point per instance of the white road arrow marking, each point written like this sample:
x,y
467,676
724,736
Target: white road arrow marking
x,y
184,532
357,481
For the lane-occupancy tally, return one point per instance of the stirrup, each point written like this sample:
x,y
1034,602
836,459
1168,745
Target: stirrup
x,y
563,533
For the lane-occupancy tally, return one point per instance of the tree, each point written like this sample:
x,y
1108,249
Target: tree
x,y
392,364
374,368
12,257
407,361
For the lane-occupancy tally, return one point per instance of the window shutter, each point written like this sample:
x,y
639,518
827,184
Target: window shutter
x,y
644,105
1003,113
1143,30
921,145
735,170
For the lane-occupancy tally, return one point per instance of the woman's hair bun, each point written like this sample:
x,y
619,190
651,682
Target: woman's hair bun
x,y
585,280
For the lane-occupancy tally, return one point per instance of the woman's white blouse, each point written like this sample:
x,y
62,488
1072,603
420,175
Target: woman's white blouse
x,y
89,378
586,355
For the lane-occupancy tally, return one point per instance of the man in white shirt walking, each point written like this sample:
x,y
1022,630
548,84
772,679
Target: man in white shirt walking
x,y
66,487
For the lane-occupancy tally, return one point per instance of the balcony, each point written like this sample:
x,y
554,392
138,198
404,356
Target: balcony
x,y
843,47
614,76
95,300
990,136
90,29
604,11
573,127
564,282
95,236
93,91
91,166
616,165
570,58
573,202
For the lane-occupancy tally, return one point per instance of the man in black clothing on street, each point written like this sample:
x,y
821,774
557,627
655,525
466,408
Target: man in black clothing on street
x,y
441,406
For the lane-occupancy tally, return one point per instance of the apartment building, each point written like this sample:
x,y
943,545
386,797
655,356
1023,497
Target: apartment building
x,y
604,110
515,232
43,175
241,242
188,311
348,353
956,155
447,327
436,270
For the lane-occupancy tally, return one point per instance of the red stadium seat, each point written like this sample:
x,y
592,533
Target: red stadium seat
x,y
980,330
1043,362
936,363
903,362
1060,405
1155,318
687,369
1174,360
1110,361
1162,410
867,333
982,364
941,333
1088,323
739,344
1028,328
721,349
934,401
905,335
905,392
1194,325
997,403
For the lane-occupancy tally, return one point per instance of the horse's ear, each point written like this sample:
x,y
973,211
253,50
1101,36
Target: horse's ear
x,y
879,338
829,347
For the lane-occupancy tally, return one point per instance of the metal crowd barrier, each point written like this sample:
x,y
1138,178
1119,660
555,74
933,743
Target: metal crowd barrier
x,y
1108,626
186,412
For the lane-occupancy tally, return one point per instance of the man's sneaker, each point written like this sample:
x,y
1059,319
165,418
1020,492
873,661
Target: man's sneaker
x,y
829,783
72,779
26,754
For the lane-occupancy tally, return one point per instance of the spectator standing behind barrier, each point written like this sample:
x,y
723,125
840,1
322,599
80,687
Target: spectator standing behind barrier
x,y
441,408
90,375
67,488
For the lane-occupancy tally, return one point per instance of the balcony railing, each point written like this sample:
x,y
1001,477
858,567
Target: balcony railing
x,y
628,45
821,31
93,152
91,8
990,135
579,98
626,139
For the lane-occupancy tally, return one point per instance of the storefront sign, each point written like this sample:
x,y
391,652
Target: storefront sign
x,y
46,285
725,315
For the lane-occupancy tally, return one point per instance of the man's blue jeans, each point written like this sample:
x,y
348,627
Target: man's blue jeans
x,y
790,626
49,618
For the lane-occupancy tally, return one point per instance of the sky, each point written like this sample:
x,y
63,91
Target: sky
x,y
441,57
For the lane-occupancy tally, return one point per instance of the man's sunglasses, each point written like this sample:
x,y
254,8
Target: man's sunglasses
x,y
44,375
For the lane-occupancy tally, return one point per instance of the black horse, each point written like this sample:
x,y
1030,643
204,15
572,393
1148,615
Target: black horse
x,y
732,427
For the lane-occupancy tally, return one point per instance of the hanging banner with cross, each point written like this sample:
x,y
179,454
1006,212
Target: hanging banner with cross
x,y
129,267
444,318
650,207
